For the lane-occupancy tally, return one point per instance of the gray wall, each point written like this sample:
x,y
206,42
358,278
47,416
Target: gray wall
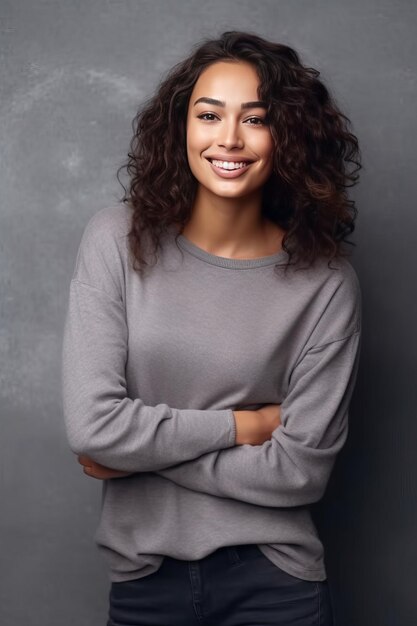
x,y
72,76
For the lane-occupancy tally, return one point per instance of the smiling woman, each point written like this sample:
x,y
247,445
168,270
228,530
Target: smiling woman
x,y
243,99
210,390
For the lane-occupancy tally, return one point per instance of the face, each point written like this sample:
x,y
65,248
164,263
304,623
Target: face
x,y
231,127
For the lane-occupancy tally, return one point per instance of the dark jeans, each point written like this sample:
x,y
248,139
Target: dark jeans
x,y
233,586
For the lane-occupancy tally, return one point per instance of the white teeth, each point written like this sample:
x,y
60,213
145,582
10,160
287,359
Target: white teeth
x,y
229,165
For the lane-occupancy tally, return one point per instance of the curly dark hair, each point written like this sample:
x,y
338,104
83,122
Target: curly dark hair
x,y
306,192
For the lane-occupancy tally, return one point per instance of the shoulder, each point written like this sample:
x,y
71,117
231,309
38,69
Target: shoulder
x,y
109,222
326,279
102,251
338,310
344,279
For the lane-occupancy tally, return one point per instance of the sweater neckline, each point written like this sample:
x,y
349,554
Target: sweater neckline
x,y
214,259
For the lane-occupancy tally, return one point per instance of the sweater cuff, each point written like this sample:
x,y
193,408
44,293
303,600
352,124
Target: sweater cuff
x,y
232,438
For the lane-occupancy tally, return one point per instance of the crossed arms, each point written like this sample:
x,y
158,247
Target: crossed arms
x,y
108,430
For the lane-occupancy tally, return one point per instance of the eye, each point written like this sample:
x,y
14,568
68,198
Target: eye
x,y
203,115
257,119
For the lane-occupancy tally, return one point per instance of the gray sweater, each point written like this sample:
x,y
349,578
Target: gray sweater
x,y
152,369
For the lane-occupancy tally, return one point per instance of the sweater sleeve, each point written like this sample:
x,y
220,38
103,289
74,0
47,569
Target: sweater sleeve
x,y
293,467
101,421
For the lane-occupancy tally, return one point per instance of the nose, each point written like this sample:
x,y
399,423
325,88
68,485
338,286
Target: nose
x,y
229,135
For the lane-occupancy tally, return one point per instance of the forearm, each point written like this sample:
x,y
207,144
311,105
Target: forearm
x,y
101,421
252,427
273,474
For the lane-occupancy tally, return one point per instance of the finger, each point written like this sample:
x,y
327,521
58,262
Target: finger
x,y
84,460
96,471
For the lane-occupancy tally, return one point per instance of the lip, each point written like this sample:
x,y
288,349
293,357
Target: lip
x,y
228,173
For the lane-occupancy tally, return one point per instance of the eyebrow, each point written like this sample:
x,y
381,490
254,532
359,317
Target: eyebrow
x,y
245,105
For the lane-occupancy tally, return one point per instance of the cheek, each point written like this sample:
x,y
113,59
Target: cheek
x,y
197,137
268,148
194,149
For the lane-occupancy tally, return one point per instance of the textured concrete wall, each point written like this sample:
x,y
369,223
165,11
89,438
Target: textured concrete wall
x,y
72,75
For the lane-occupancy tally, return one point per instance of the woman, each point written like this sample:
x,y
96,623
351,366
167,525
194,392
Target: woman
x,y
209,389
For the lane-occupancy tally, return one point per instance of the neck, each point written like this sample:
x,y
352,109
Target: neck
x,y
232,227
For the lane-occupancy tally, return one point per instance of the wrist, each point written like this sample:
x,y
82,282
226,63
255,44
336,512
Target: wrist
x,y
245,427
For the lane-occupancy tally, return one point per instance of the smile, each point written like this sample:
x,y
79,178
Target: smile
x,y
229,169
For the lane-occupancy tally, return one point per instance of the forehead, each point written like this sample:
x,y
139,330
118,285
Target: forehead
x,y
236,78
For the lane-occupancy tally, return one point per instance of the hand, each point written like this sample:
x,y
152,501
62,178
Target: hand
x,y
270,419
256,427
95,470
